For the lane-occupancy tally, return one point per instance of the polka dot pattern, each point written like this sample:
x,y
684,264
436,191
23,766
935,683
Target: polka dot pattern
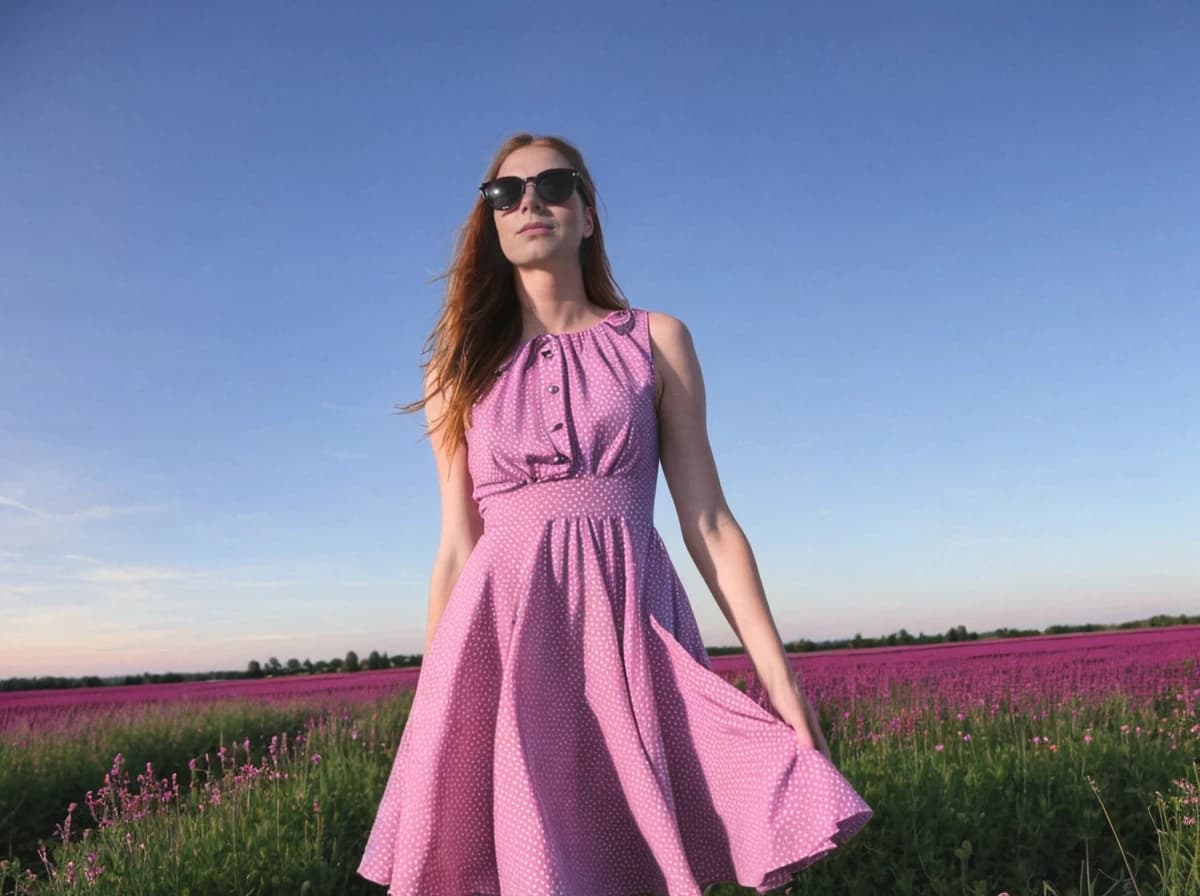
x,y
568,736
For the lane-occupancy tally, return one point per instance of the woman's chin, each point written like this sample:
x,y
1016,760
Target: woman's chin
x,y
543,261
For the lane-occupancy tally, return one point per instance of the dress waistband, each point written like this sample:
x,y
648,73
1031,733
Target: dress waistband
x,y
550,499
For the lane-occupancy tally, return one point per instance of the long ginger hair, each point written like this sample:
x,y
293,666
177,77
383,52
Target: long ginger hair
x,y
480,321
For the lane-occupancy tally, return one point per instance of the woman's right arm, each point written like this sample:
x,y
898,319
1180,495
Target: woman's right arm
x,y
461,522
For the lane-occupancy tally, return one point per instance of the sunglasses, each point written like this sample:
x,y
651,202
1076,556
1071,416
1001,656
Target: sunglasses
x,y
553,185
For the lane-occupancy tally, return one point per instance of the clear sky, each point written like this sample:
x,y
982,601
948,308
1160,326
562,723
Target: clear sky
x,y
940,263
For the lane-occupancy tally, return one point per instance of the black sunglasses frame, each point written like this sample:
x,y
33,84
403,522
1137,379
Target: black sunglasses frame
x,y
537,180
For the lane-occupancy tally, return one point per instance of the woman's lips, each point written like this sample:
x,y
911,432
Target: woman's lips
x,y
536,228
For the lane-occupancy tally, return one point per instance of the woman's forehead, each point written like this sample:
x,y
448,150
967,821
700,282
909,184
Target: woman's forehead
x,y
529,160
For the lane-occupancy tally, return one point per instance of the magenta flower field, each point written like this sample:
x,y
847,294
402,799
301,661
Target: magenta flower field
x,y
1030,673
1050,765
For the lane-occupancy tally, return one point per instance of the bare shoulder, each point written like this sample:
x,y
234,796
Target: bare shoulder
x,y
675,360
667,333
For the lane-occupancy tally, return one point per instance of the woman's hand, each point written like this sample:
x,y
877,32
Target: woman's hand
x,y
793,707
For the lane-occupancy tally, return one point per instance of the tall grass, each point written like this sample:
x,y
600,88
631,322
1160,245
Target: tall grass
x,y
288,819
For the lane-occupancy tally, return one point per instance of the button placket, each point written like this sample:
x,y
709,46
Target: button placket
x,y
553,370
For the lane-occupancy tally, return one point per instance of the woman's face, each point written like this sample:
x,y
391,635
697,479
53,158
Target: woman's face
x,y
555,244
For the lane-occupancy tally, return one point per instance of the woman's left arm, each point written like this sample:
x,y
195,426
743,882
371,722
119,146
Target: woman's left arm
x,y
713,538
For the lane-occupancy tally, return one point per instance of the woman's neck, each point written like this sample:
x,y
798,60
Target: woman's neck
x,y
552,301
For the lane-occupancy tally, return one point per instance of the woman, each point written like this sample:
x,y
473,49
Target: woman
x,y
568,735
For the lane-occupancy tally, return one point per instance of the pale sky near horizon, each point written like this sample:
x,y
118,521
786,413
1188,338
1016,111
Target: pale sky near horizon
x,y
940,264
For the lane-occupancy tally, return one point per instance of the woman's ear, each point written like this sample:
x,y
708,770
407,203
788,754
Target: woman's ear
x,y
589,225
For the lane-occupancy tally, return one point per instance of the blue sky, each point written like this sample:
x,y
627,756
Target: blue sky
x,y
939,262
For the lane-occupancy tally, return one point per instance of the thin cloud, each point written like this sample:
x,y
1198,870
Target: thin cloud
x,y
108,511
13,502
97,512
134,575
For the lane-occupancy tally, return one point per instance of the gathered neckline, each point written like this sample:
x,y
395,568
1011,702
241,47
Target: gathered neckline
x,y
608,317
578,332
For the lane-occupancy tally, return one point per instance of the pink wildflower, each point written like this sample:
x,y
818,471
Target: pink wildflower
x,y
93,870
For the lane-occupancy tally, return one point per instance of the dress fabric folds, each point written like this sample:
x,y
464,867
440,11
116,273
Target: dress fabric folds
x,y
568,736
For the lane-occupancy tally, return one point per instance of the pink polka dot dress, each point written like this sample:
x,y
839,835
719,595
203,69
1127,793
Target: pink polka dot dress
x,y
568,736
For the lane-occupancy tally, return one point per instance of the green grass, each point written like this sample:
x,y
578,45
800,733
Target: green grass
x,y
990,812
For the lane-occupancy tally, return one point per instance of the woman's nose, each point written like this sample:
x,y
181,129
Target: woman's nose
x,y
530,197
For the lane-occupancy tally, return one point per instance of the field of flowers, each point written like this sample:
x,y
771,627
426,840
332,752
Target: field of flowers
x,y
1061,765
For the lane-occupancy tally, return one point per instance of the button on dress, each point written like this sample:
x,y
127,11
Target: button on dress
x,y
568,736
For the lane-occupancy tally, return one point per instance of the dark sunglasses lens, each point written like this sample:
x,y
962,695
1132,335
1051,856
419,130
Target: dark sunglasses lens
x,y
556,185
504,192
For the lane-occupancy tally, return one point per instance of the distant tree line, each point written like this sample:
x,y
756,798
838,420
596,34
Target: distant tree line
x,y
273,668
960,633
